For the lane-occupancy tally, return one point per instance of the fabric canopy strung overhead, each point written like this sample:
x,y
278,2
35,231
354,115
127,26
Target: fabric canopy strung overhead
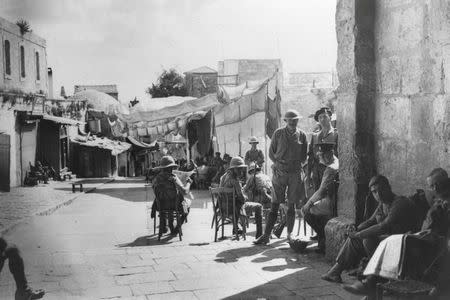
x,y
177,107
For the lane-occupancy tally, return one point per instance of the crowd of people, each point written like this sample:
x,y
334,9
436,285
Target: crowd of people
x,y
305,175
400,237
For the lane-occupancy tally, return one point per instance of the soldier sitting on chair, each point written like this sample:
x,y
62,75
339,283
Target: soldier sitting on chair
x,y
230,179
169,188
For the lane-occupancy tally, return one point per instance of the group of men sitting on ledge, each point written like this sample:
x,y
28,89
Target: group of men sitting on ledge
x,y
404,238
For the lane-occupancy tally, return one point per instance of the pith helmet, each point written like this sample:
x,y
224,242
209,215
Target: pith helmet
x,y
167,162
291,114
253,140
237,162
321,111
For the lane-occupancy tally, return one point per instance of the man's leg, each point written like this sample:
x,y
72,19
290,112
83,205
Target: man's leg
x,y
17,269
349,256
370,245
257,209
279,184
295,193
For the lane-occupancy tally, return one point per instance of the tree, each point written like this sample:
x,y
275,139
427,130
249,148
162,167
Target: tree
x,y
170,83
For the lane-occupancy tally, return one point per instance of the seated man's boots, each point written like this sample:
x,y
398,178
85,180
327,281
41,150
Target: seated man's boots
x,y
262,240
364,287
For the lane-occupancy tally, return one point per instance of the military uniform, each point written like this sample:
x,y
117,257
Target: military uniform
x,y
315,168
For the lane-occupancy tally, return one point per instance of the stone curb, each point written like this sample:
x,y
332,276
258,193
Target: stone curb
x,y
50,210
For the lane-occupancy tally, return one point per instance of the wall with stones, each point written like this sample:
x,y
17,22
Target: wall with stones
x,y
412,107
32,44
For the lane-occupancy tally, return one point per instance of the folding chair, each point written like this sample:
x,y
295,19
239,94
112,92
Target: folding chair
x,y
224,213
168,209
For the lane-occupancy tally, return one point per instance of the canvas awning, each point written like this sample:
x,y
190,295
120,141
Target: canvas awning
x,y
154,109
141,144
61,120
116,147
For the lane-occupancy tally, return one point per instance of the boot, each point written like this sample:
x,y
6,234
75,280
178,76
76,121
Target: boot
x,y
364,287
334,274
258,230
29,294
320,246
262,240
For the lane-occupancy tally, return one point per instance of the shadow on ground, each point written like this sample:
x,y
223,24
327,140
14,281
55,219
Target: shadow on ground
x,y
150,240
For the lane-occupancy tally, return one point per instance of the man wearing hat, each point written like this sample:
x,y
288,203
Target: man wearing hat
x,y
258,187
230,179
321,206
287,150
327,134
168,187
254,154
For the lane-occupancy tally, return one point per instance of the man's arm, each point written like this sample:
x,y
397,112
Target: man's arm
x,y
273,146
184,189
325,185
371,221
304,148
261,158
249,184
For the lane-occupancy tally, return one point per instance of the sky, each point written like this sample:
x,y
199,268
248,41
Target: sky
x,y
130,42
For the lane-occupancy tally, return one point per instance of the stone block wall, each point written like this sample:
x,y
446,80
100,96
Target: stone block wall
x,y
412,103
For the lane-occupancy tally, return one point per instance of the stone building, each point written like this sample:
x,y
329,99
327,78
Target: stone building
x,y
201,81
110,89
23,87
394,98
307,92
238,71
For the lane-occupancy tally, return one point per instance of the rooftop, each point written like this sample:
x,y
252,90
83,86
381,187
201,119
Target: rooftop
x,y
201,70
104,88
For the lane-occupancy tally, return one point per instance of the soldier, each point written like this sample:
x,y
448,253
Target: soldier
x,y
254,154
328,134
288,152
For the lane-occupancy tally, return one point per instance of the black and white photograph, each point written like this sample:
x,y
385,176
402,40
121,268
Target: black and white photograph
x,y
224,149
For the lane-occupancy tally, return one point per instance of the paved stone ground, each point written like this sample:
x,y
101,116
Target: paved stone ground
x,y
24,202
99,247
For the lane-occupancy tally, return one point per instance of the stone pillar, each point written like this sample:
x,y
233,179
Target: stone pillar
x,y
355,114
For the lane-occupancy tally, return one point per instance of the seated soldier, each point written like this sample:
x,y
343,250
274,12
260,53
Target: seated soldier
x,y
17,269
321,206
394,215
230,179
415,256
168,189
258,187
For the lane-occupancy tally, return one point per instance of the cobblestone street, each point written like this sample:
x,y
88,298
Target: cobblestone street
x,y
99,247
24,202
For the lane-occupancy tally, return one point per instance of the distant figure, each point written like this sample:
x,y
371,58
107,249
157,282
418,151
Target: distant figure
x,y
17,269
254,154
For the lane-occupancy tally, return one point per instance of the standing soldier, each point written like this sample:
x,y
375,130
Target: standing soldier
x,y
254,154
329,135
288,152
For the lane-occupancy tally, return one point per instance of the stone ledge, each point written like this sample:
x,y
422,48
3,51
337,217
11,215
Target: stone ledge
x,y
335,236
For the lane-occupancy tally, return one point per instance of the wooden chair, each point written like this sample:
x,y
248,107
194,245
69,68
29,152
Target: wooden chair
x,y
224,213
167,211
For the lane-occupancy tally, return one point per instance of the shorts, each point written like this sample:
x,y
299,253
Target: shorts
x,y
289,184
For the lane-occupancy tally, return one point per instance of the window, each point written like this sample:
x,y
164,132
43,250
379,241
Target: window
x,y
38,72
7,58
22,62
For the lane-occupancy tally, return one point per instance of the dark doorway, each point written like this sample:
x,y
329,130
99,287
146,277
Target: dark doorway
x,y
4,162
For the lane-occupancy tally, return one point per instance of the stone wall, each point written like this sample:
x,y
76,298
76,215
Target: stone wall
x,y
413,83
393,98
